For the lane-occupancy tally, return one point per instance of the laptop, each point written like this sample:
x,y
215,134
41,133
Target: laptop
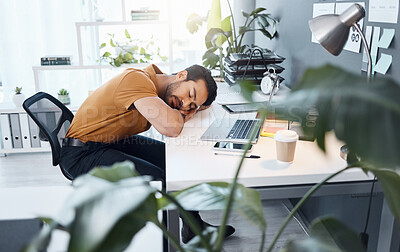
x,y
232,130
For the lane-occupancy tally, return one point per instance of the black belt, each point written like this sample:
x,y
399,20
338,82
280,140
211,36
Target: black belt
x,y
72,142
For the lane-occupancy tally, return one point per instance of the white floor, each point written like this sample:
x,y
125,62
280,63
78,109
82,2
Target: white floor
x,y
25,177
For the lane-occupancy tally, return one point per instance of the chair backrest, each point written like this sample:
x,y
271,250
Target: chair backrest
x,y
53,119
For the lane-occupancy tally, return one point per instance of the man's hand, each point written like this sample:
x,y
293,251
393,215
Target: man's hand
x,y
166,120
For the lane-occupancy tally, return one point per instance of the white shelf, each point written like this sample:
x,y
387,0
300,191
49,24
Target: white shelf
x,y
37,69
25,150
80,67
68,67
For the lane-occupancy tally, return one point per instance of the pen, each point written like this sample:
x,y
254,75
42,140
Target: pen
x,y
238,155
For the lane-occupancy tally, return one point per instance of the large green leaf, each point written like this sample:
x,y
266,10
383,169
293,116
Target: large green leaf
x,y
193,22
244,29
366,116
257,10
390,181
214,195
127,35
210,59
308,245
42,240
214,33
123,231
112,43
211,235
96,217
106,54
107,208
328,234
226,24
116,172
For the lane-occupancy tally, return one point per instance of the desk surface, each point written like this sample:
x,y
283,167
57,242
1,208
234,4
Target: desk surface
x,y
190,161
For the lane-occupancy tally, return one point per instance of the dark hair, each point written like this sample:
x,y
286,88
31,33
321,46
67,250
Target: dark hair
x,y
197,72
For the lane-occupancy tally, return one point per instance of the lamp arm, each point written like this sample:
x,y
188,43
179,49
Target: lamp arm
x,y
369,69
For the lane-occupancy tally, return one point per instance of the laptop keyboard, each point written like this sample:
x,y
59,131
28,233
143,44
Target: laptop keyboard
x,y
241,129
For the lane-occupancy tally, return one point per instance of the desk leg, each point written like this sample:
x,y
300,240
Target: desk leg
x,y
173,227
388,239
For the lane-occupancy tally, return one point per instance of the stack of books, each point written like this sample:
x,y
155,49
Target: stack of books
x,y
55,60
236,63
145,15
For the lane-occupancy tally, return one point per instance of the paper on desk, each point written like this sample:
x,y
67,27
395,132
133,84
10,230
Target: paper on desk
x,y
322,9
385,11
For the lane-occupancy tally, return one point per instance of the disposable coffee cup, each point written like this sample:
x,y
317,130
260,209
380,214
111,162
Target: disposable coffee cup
x,y
285,145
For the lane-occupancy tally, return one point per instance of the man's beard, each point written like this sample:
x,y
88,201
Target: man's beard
x,y
172,100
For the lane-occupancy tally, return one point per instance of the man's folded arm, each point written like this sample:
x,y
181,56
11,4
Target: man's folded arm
x,y
166,120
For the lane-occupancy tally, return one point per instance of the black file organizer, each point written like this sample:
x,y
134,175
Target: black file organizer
x,y
251,66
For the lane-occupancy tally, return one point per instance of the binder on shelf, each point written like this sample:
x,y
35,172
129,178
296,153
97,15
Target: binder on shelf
x,y
15,131
56,57
55,62
34,133
5,132
23,122
145,14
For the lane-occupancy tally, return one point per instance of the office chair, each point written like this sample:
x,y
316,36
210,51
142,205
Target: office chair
x,y
53,119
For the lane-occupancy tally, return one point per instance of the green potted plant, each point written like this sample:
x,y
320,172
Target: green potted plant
x,y
63,96
130,51
222,38
346,105
18,97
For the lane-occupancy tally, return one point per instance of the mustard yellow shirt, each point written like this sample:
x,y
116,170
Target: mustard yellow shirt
x,y
105,115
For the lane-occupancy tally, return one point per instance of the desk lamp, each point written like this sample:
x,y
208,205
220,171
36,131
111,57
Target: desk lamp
x,y
332,31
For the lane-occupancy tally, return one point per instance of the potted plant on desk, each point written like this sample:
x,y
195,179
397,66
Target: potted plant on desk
x,y
222,34
18,97
345,105
63,96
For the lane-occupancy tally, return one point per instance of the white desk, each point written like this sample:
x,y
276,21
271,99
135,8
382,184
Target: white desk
x,y
190,161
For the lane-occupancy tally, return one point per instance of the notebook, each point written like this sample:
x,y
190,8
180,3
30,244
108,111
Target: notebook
x,y
232,130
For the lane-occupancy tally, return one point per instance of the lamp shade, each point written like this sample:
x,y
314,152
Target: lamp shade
x,y
332,30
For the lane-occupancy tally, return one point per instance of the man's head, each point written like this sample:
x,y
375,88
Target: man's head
x,y
191,88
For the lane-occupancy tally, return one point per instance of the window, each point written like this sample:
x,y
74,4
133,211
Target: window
x,y
46,27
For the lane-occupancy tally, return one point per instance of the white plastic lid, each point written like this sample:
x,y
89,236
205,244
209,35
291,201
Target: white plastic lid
x,y
286,136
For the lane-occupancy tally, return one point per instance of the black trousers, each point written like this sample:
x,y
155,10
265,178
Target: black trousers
x,y
147,154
